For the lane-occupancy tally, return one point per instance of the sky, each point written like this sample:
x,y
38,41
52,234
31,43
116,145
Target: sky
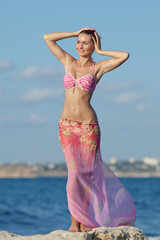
x,y
126,100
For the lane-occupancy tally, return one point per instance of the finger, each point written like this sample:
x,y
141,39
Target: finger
x,y
88,28
94,40
96,36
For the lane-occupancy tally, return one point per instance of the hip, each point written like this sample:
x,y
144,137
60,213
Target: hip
x,y
76,132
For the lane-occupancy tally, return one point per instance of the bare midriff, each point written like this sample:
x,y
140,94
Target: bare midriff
x,y
77,106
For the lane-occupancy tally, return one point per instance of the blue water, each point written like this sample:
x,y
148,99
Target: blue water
x,y
39,206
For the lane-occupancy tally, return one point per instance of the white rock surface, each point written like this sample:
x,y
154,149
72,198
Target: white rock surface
x,y
102,233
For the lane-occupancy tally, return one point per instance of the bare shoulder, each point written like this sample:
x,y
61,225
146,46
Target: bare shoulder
x,y
69,61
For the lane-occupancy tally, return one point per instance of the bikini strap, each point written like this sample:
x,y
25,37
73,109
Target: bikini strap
x,y
93,66
69,67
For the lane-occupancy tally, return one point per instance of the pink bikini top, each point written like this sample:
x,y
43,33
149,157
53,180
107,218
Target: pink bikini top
x,y
85,82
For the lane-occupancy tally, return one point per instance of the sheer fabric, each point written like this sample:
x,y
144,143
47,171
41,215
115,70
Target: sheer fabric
x,y
95,195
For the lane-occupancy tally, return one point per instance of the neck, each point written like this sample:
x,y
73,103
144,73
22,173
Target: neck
x,y
83,61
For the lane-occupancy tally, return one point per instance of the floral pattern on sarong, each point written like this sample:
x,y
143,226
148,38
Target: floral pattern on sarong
x,y
79,143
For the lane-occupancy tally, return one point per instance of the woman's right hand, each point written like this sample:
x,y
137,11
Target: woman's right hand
x,y
86,28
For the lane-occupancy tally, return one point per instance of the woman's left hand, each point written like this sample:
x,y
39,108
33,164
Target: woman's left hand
x,y
97,42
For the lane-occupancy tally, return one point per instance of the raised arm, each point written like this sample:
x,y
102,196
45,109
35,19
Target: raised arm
x,y
118,57
52,38
59,53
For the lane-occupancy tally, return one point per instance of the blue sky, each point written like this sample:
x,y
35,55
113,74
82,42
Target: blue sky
x,y
127,100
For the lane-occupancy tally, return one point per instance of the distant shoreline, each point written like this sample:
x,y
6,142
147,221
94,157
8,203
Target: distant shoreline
x,y
58,174
32,170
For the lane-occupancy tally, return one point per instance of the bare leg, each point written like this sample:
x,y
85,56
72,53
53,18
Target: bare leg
x,y
74,225
84,228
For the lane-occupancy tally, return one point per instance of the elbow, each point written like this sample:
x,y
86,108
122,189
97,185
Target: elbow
x,y
44,36
126,55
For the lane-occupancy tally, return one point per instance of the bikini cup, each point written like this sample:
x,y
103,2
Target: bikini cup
x,y
85,82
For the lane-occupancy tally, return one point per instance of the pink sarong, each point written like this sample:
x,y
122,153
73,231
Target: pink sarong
x,y
95,195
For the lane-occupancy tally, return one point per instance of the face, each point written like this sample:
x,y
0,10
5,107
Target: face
x,y
85,45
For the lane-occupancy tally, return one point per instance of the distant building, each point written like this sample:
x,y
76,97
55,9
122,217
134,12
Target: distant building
x,y
132,160
51,166
113,160
150,161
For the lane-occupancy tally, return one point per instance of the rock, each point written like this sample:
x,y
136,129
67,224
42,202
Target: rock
x,y
117,233
102,233
56,235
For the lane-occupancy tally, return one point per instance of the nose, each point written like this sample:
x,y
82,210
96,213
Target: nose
x,y
81,45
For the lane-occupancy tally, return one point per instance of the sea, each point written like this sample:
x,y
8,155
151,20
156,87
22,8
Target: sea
x,y
39,205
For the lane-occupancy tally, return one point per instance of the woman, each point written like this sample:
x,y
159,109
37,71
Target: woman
x,y
95,195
